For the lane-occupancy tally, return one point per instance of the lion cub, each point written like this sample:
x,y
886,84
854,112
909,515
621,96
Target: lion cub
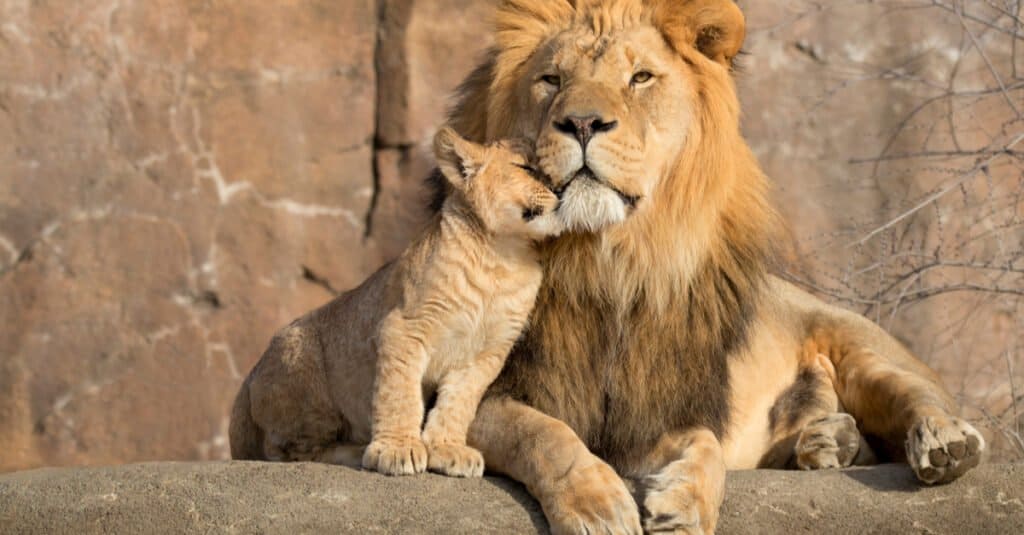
x,y
468,286
442,318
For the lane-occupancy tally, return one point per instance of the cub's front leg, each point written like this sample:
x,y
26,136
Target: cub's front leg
x,y
579,492
396,447
687,486
458,396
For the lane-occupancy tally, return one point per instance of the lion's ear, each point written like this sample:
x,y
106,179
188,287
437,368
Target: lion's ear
x,y
457,158
714,27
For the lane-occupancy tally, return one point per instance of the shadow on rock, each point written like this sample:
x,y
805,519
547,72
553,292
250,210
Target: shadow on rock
x,y
887,478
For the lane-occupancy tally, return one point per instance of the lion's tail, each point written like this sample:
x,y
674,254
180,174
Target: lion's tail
x,y
246,437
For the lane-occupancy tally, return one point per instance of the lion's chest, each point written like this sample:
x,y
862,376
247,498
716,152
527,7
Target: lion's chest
x,y
621,383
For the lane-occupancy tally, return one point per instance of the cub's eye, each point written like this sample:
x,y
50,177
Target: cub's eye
x,y
527,167
531,212
641,77
535,173
552,79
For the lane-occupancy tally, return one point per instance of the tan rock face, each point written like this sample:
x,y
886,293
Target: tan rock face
x,y
173,173
179,179
426,49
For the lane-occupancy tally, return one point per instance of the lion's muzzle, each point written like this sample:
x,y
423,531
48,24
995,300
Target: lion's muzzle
x,y
589,204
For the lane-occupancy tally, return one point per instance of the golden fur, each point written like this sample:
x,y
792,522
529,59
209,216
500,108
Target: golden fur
x,y
661,349
443,318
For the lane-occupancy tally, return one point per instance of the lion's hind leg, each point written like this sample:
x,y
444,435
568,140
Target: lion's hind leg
x,y
290,399
831,441
898,399
338,453
809,429
942,448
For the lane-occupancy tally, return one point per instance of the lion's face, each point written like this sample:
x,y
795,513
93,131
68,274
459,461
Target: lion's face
x,y
631,107
609,114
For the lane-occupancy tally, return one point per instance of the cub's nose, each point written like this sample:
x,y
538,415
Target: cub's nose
x,y
584,128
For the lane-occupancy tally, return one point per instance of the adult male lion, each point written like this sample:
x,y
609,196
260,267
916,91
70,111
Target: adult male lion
x,y
661,349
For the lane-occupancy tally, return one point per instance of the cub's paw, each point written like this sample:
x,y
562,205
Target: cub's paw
x,y
943,448
396,456
456,460
831,441
590,499
674,503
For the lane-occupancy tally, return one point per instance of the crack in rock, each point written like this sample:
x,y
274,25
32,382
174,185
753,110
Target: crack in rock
x,y
319,280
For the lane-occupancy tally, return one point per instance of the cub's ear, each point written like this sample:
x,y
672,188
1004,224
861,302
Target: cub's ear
x,y
714,27
457,158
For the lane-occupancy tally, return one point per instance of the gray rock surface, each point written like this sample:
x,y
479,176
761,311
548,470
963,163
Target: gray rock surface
x,y
239,497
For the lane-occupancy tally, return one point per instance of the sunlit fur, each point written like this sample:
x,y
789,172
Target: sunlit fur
x,y
703,194
660,342
660,348
442,318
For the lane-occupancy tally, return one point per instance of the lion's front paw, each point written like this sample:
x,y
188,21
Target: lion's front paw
x,y
941,449
396,456
590,499
674,503
831,441
456,460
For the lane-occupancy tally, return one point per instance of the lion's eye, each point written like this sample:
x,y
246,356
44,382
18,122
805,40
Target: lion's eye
x,y
641,77
552,79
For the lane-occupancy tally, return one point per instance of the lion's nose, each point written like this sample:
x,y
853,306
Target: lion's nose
x,y
584,128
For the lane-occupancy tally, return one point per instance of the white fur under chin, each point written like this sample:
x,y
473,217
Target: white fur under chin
x,y
587,206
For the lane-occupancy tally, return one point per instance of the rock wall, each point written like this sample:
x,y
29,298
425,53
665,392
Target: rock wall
x,y
180,178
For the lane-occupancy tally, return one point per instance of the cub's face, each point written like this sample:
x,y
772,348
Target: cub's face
x,y
499,184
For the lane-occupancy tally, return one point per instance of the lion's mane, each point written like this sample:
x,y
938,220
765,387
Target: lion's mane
x,y
667,294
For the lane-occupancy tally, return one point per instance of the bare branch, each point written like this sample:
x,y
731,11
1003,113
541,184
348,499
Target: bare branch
x,y
938,194
988,62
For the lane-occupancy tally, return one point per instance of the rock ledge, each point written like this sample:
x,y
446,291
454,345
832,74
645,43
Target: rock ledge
x,y
247,497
